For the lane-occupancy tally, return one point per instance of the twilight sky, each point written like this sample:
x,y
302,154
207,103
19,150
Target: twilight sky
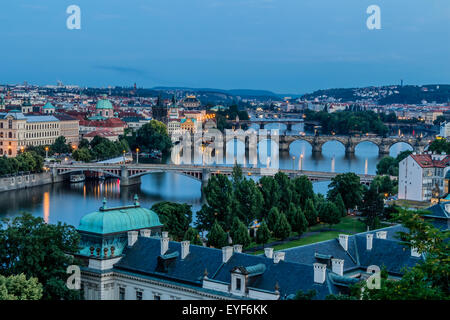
x,y
287,46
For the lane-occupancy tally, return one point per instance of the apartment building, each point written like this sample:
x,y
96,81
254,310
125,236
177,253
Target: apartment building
x,y
421,174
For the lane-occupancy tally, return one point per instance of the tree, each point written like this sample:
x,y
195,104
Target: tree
x,y
175,217
300,295
263,234
299,223
30,246
18,287
329,213
340,205
249,200
239,233
285,189
82,154
282,229
84,143
193,236
439,146
310,213
303,190
350,188
372,207
220,202
384,185
387,165
237,177
151,136
270,191
272,218
60,145
216,236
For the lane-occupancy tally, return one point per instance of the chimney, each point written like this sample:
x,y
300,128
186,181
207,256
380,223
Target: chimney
x,y
319,272
164,243
268,252
278,256
165,234
132,237
343,241
237,248
415,252
381,234
338,266
146,233
227,252
184,249
369,238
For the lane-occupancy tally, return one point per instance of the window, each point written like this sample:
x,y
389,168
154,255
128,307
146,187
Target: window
x,y
156,297
138,295
238,284
121,293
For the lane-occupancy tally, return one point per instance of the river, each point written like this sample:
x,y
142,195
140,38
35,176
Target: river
x,y
67,202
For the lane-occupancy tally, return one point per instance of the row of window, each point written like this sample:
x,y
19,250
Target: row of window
x,y
139,295
42,126
41,134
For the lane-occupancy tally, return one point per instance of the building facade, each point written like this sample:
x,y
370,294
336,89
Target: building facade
x,y
420,174
18,131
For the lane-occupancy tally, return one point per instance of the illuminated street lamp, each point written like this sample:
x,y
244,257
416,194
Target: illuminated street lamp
x,y
137,155
123,156
301,162
46,152
293,163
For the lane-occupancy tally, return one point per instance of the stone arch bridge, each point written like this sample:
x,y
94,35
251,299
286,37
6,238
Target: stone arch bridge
x,y
317,141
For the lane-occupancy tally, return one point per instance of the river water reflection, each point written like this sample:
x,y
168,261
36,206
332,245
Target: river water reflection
x,y
67,202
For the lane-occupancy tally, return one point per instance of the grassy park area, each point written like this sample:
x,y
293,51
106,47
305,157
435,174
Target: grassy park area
x,y
321,232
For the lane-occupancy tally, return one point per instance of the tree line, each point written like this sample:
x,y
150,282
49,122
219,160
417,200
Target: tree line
x,y
346,122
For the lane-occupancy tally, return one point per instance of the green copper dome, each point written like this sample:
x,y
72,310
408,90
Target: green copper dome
x,y
104,104
48,105
120,219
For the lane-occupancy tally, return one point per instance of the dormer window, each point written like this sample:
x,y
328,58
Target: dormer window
x,y
238,284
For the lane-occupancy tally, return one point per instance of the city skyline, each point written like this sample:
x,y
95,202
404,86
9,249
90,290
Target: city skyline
x,y
281,46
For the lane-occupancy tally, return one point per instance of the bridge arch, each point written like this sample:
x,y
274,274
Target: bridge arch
x,y
108,173
398,144
193,175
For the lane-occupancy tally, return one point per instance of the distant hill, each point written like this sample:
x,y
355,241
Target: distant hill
x,y
243,93
410,94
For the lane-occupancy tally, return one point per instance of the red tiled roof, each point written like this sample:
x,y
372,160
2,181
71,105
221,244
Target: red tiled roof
x,y
426,161
102,133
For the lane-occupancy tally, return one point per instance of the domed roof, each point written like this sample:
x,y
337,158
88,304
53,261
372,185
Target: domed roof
x,y
119,219
48,105
104,104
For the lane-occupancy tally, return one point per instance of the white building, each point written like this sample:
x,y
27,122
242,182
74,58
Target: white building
x,y
419,174
445,130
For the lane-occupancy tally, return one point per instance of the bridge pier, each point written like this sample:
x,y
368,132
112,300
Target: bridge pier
x,y
125,180
316,148
350,149
289,126
56,177
383,149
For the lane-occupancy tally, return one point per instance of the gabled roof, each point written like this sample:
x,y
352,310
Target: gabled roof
x,y
426,161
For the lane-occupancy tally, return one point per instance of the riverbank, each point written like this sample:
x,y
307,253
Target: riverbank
x,y
24,181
